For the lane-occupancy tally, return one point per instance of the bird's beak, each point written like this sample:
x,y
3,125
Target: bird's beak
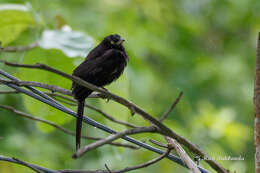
x,y
120,42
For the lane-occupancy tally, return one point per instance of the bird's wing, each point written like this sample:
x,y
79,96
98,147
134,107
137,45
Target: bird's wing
x,y
93,66
88,69
97,51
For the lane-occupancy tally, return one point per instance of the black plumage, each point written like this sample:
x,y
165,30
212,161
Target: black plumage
x,y
104,64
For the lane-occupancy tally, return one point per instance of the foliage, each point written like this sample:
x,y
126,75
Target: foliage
x,y
204,48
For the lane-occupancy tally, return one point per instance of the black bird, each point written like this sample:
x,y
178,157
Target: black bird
x,y
104,64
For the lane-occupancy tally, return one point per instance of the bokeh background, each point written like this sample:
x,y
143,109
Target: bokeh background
x,y
205,48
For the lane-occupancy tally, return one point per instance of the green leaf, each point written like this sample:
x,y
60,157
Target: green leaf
x,y
72,43
14,20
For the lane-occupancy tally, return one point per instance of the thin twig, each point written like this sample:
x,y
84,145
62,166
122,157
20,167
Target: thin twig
x,y
158,143
181,152
52,88
42,97
127,169
99,111
93,95
9,92
162,128
165,115
26,115
18,48
29,165
257,108
67,92
111,138
153,161
110,117
108,170
102,113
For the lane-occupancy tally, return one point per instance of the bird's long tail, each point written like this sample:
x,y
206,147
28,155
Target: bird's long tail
x,y
79,122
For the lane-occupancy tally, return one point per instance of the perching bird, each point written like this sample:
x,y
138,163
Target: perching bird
x,y
104,64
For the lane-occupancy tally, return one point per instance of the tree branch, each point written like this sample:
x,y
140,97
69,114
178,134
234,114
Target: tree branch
x,y
110,117
108,170
18,48
158,143
257,108
36,94
127,169
162,128
111,138
69,99
29,165
181,152
93,95
52,88
29,116
165,115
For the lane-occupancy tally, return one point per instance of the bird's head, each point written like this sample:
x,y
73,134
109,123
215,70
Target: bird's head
x,y
114,41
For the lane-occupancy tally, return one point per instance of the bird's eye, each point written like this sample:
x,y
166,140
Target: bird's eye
x,y
112,42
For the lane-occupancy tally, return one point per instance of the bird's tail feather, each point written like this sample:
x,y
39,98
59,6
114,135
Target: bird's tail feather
x,y
81,104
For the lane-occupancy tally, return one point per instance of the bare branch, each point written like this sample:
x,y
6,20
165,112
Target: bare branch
x,y
158,143
165,115
108,170
82,171
110,117
73,103
162,128
9,92
18,48
111,138
257,108
52,88
29,165
29,116
93,95
153,161
184,157
127,169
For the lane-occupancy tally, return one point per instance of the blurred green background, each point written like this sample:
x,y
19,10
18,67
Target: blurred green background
x,y
204,48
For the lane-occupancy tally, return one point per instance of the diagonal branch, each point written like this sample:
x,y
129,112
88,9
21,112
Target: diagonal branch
x,y
165,115
111,138
52,88
181,152
29,116
18,48
162,128
127,169
257,108
108,170
110,117
36,94
158,143
74,103
29,165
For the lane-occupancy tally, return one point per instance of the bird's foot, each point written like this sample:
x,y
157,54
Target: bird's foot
x,y
107,97
104,88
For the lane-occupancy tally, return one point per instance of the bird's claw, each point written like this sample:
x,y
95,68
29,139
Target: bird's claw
x,y
104,88
108,99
